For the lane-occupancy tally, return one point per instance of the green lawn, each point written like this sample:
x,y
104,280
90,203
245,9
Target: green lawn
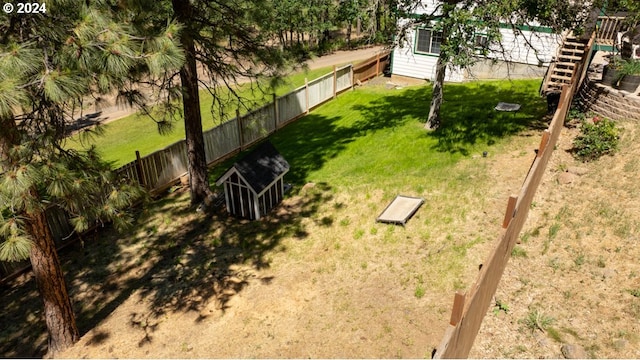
x,y
375,136
123,137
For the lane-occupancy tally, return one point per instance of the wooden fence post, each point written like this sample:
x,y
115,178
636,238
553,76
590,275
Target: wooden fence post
x,y
511,206
543,142
276,113
335,82
306,95
139,171
458,306
377,64
240,132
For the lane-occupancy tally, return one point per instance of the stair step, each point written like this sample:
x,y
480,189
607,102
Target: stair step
x,y
565,71
560,77
557,84
573,43
571,52
556,87
570,57
572,49
567,64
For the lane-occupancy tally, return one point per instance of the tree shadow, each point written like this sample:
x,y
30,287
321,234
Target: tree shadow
x,y
311,141
469,116
208,257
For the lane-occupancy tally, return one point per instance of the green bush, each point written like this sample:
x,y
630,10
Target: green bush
x,y
598,137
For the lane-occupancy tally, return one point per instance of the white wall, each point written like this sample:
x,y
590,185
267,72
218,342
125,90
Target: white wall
x,y
426,7
516,48
407,63
527,47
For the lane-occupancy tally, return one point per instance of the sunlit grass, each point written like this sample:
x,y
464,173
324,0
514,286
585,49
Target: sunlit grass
x,y
122,138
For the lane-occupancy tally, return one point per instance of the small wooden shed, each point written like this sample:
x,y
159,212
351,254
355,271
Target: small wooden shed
x,y
254,185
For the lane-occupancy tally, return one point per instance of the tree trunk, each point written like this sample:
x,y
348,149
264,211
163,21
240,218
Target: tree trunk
x,y
349,34
58,312
194,137
433,121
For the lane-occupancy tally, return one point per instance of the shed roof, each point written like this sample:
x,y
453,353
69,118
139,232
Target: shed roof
x,y
259,168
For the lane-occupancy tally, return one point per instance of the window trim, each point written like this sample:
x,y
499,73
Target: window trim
x,y
417,38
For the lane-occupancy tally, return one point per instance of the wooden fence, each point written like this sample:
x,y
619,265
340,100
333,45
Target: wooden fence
x,y
371,67
164,168
469,309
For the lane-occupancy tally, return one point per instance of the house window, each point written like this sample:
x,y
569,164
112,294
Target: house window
x,y
428,41
481,41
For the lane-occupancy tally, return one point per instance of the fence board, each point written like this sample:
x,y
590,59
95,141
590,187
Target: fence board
x,y
320,90
257,124
291,106
371,67
221,140
128,171
343,78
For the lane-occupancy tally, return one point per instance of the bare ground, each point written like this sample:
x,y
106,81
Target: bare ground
x,y
577,269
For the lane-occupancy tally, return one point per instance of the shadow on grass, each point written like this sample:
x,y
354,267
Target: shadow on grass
x,y
469,117
306,144
468,114
178,260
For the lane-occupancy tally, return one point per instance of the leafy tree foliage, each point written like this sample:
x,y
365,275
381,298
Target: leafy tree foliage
x,y
460,20
49,64
349,11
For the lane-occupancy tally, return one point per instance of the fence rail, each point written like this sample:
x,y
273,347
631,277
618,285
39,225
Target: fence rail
x,y
165,167
469,309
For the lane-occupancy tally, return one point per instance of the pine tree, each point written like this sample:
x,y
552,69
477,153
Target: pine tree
x,y
223,42
50,63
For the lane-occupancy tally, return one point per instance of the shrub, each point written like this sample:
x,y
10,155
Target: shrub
x,y
598,137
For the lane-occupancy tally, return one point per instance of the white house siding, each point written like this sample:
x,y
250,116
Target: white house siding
x,y
527,47
406,62
427,7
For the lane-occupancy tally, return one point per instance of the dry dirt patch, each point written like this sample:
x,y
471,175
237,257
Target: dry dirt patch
x,y
577,269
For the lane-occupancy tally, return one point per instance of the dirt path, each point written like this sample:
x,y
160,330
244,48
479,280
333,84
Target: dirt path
x,y
115,112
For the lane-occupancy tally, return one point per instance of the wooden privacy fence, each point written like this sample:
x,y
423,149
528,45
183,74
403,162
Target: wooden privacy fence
x,y
371,67
164,168
469,309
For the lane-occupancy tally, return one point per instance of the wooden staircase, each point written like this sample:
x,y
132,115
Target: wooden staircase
x,y
570,55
